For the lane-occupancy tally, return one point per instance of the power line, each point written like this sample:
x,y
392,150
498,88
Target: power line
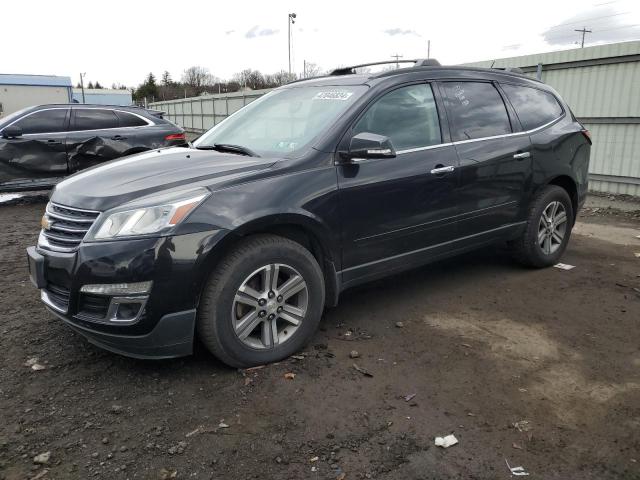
x,y
555,37
584,20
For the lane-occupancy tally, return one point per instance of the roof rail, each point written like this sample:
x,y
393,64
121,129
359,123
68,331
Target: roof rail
x,y
427,62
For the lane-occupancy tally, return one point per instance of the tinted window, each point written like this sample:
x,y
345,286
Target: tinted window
x,y
533,107
130,120
408,116
476,110
45,121
94,119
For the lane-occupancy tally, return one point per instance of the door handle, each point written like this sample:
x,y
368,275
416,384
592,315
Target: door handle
x,y
118,137
54,142
439,170
521,155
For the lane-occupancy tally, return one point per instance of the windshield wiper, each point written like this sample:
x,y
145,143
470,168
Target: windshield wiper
x,y
227,147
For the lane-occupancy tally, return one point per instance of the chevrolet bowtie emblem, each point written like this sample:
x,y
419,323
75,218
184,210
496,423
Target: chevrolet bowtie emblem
x,y
45,223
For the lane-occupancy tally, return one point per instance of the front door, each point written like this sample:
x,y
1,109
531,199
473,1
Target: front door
x,y
396,210
37,157
94,137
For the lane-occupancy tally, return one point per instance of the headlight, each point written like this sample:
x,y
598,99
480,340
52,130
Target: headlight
x,y
159,215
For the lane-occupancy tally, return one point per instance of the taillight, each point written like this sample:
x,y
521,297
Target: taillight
x,y
175,136
587,135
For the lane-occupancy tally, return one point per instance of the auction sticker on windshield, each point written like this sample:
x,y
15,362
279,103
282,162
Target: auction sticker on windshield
x,y
333,95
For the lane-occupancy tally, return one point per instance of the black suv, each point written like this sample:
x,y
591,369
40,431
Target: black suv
x,y
318,186
41,145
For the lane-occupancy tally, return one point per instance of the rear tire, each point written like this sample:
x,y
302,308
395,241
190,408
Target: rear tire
x,y
262,303
548,229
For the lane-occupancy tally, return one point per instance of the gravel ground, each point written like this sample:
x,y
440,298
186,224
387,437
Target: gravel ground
x,y
537,368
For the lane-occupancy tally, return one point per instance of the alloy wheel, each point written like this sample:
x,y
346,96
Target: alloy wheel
x,y
269,306
552,227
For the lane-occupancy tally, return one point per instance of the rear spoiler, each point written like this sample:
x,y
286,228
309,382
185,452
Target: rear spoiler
x,y
156,113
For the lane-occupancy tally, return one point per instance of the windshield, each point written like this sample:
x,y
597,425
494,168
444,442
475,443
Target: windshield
x,y
283,122
4,121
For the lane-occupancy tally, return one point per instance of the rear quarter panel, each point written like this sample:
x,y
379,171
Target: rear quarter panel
x,y
561,150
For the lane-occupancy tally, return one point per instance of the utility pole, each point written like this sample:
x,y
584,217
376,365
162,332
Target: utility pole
x,y
304,74
290,21
428,49
82,86
584,31
397,57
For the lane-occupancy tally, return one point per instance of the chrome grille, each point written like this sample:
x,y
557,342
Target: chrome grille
x,y
65,227
56,297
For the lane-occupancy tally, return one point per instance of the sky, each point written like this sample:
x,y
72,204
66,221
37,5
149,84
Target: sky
x,y
122,41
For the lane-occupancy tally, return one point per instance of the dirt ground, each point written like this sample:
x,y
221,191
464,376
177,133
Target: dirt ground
x,y
537,368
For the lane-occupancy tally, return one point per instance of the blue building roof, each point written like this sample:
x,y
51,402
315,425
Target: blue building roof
x,y
35,80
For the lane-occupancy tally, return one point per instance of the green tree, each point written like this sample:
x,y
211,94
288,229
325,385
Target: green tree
x,y
148,89
166,78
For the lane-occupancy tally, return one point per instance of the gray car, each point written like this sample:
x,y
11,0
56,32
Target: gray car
x,y
41,145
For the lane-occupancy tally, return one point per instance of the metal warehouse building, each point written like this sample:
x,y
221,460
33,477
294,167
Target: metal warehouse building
x,y
20,91
103,96
601,83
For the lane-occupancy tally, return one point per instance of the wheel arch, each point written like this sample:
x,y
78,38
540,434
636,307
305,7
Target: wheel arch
x,y
571,187
299,228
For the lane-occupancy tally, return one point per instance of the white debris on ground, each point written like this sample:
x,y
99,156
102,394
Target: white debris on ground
x,y
564,266
516,471
446,442
7,197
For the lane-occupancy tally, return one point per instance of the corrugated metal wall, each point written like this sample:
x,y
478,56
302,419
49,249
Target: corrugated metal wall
x,y
601,84
198,114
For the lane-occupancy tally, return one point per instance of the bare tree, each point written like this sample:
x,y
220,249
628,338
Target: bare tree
x,y
197,77
248,78
278,78
312,70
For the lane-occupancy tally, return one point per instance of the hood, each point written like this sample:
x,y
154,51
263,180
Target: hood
x,y
119,181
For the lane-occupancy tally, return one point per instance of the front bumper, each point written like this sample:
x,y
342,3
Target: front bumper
x,y
177,266
171,337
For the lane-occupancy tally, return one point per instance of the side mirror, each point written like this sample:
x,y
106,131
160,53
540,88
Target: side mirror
x,y
370,145
12,132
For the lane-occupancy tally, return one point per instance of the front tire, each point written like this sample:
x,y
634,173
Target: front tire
x,y
548,229
262,303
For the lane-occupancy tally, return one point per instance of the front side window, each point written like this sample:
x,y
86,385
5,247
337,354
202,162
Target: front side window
x,y
407,115
533,107
284,121
94,119
476,110
44,121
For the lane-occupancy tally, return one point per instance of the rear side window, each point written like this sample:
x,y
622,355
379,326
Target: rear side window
x,y
476,110
94,119
534,107
45,121
130,120
407,115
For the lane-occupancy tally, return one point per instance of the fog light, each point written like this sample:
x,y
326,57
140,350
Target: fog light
x,y
139,288
127,311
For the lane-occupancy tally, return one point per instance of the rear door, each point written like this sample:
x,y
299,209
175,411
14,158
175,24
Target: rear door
x,y
396,210
94,137
134,132
495,157
38,157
